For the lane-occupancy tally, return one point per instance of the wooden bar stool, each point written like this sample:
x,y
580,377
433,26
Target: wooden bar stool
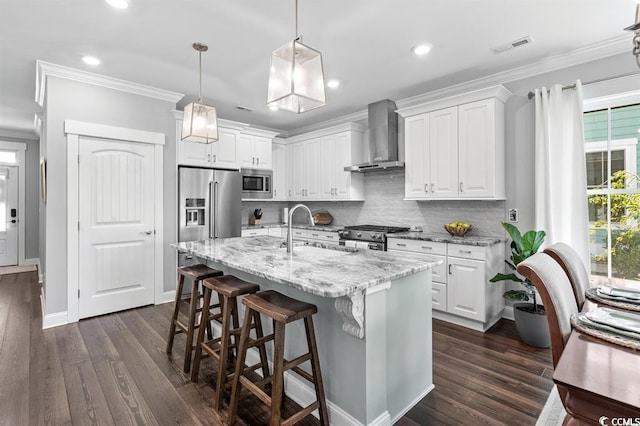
x,y
282,310
221,349
197,273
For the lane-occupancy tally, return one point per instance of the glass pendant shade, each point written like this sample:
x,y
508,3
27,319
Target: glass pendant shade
x,y
296,78
200,123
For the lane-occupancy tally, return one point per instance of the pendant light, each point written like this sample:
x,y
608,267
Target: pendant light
x,y
296,79
200,123
636,38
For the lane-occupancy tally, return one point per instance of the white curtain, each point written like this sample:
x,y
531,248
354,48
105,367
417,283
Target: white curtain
x,y
560,169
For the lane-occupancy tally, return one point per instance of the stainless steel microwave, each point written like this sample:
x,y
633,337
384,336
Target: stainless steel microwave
x,y
257,183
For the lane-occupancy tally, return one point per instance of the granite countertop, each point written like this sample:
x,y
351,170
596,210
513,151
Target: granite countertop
x,y
469,240
328,228
312,270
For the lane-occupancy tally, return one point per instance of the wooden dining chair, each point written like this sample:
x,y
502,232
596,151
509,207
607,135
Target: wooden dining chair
x,y
573,266
554,288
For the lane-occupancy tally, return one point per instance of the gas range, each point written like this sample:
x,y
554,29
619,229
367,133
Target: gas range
x,y
372,237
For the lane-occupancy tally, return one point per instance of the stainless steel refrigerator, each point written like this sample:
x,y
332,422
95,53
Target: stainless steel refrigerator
x,y
209,205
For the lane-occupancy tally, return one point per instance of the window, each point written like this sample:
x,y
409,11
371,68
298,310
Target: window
x,y
613,190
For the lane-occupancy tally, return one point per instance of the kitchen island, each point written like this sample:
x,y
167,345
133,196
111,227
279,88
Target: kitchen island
x,y
373,325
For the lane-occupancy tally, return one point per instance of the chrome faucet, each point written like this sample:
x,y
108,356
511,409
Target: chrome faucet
x,y
289,234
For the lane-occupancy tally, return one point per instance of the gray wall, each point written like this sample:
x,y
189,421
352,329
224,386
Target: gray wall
x,y
68,100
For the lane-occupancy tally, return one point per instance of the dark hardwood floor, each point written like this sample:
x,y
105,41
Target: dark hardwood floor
x,y
113,370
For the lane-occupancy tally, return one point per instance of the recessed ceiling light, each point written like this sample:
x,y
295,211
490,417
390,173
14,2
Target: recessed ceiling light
x,y
421,49
333,84
273,107
91,60
118,4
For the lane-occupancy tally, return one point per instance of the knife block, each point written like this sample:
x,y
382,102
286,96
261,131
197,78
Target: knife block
x,y
253,220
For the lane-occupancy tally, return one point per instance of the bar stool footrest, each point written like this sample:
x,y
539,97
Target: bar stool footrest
x,y
301,414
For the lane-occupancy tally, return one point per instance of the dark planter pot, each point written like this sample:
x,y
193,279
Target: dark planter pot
x,y
532,327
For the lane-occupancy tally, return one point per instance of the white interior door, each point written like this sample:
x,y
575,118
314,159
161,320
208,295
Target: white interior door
x,y
8,216
116,229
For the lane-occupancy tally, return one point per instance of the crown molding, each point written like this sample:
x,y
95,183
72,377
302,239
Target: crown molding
x,y
604,49
17,134
47,69
326,131
343,119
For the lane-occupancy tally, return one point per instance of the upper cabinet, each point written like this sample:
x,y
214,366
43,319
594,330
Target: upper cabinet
x,y
280,189
317,161
455,149
238,146
255,151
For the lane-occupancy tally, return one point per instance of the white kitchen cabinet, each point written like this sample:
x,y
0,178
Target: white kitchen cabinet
x,y
279,172
222,153
465,291
337,152
254,232
431,152
455,149
276,231
254,151
461,291
481,149
306,169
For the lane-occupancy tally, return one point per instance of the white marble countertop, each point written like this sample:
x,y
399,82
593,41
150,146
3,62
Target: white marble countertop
x,y
342,273
470,240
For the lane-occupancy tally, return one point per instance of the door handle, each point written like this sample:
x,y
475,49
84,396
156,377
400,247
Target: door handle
x,y
13,221
149,232
215,209
14,213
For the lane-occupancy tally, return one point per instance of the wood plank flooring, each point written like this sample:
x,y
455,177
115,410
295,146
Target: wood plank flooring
x,y
113,370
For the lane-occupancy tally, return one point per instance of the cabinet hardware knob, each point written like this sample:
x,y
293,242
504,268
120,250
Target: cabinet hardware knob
x,y
431,188
426,187
215,158
208,158
253,160
275,192
461,189
257,160
450,273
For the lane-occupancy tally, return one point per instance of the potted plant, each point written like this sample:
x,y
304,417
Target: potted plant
x,y
530,318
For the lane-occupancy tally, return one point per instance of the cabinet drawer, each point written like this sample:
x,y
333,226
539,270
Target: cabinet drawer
x,y
417,246
254,232
276,232
321,235
439,272
439,297
466,252
299,233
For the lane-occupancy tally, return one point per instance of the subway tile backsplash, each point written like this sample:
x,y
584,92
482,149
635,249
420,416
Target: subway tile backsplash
x,y
384,205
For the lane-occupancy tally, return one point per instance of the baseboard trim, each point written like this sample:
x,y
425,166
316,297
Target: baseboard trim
x,y
508,313
167,296
411,405
383,419
54,320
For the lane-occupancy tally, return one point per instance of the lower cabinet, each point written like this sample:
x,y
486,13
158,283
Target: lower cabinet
x,y
461,291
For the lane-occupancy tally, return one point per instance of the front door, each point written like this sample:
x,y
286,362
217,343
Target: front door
x,y
116,229
8,216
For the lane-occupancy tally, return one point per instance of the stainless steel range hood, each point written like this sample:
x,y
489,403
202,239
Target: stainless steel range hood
x,y
383,139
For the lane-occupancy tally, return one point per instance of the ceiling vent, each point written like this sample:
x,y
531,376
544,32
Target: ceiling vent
x,y
244,108
516,43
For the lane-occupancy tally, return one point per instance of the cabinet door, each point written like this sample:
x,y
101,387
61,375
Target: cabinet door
x,y
327,167
245,152
466,288
224,152
279,172
416,131
439,296
262,152
443,153
299,170
313,152
476,141
342,179
288,176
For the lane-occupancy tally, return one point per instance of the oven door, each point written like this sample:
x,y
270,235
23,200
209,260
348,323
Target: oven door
x,y
363,245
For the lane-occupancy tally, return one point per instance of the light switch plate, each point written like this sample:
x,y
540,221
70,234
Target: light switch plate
x,y
513,215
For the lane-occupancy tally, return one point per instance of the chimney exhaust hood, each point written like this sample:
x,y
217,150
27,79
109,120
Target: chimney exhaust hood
x,y
383,139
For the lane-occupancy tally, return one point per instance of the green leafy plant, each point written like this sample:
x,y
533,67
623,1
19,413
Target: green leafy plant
x,y
625,215
522,247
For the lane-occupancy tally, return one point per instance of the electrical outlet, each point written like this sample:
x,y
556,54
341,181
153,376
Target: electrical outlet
x,y
513,215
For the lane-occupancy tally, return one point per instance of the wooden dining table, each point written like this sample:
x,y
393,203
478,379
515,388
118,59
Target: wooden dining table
x,y
602,379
